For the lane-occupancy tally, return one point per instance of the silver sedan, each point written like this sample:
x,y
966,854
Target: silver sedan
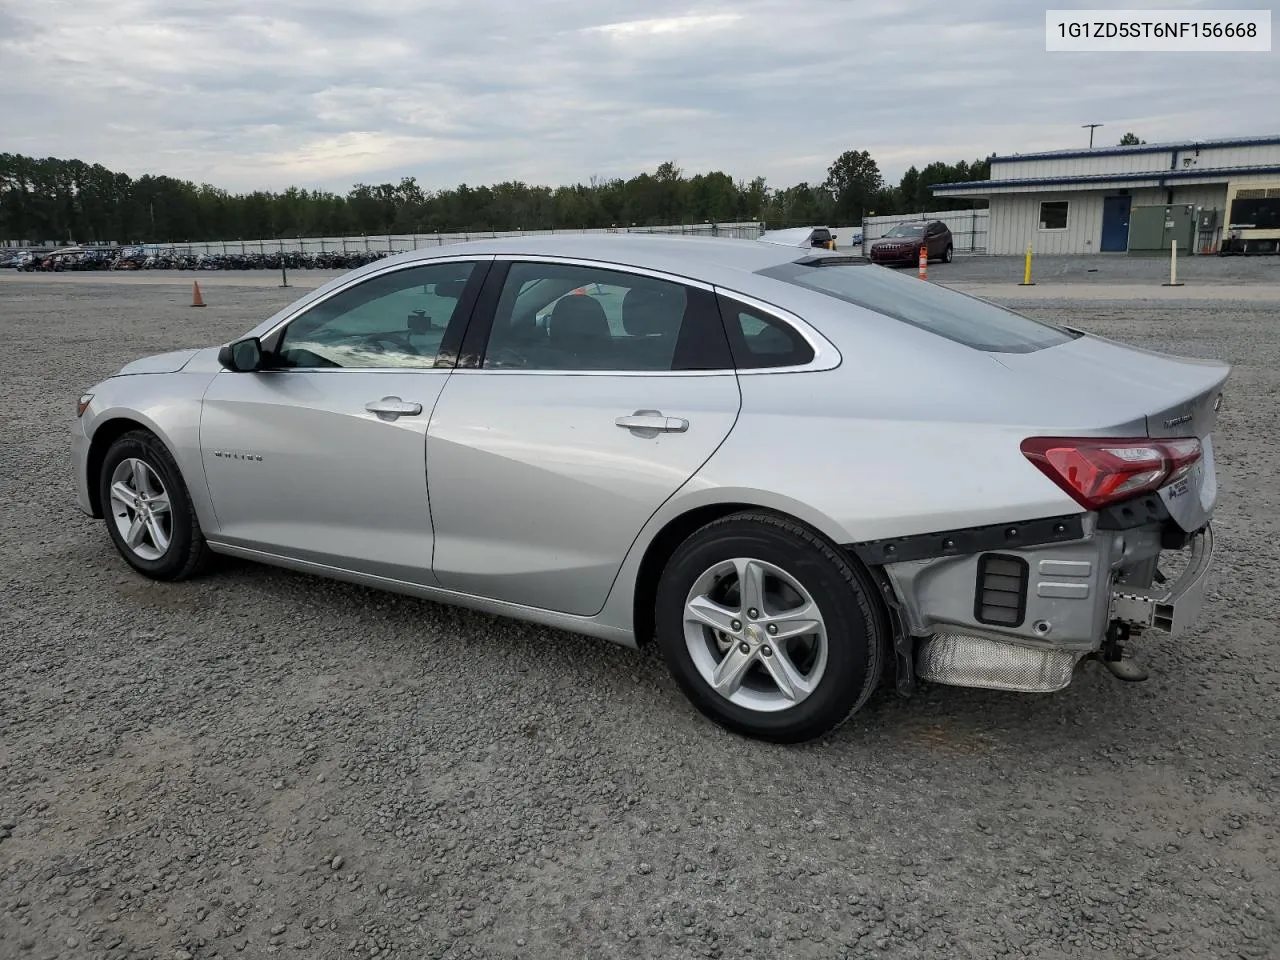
x,y
800,474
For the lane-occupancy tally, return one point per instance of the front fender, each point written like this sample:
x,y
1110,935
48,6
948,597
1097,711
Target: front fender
x,y
166,404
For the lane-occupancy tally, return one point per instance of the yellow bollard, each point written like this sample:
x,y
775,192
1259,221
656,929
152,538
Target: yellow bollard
x,y
1026,270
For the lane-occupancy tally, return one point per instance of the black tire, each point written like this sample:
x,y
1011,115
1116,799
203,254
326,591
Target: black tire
x,y
845,598
947,254
187,554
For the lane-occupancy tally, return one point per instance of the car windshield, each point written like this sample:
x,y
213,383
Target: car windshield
x,y
905,230
956,316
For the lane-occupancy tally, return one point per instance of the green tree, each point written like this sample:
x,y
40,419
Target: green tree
x,y
1130,140
59,200
853,180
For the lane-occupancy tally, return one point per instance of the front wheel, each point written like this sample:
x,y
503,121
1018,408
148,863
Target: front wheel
x,y
148,509
768,629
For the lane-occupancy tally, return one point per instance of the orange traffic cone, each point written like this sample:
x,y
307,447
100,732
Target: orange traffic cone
x,y
924,261
196,299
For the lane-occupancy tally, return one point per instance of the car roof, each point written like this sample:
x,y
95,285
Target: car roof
x,y
703,258
730,263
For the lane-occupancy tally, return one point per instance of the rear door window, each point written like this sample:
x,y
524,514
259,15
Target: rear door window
x,y
572,318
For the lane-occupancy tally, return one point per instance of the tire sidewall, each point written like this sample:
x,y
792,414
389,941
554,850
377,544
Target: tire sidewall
x,y
948,254
849,635
151,452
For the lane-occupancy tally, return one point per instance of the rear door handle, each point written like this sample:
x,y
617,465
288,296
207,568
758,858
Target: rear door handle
x,y
389,408
652,422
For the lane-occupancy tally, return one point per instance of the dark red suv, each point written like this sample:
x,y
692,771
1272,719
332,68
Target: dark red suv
x,y
901,245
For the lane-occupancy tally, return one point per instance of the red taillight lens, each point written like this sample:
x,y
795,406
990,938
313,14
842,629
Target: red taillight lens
x,y
1098,471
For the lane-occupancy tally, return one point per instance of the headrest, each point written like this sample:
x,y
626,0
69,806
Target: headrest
x,y
647,312
579,317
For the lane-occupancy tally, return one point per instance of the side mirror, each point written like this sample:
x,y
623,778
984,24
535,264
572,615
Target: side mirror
x,y
242,356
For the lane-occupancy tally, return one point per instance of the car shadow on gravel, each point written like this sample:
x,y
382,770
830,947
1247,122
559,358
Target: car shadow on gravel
x,y
938,718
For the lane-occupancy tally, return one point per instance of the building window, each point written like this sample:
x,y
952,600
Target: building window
x,y
1053,215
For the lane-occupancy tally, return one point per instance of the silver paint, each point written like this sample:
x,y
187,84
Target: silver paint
x,y
518,492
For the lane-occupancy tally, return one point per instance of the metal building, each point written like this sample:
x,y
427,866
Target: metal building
x,y
1082,201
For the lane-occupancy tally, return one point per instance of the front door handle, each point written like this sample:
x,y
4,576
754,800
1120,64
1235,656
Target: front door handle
x,y
651,423
389,408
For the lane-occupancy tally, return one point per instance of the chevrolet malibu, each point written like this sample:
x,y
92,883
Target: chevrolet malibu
x,y
802,475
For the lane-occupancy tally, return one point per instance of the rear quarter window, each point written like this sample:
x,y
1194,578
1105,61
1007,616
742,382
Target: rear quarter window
x,y
947,313
759,341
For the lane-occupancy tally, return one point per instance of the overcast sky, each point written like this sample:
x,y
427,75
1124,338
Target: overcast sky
x,y
320,93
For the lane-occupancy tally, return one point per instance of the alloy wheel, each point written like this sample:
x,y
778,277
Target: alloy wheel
x,y
140,508
755,634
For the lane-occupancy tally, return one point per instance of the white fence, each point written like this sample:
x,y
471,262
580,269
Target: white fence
x,y
968,228
398,243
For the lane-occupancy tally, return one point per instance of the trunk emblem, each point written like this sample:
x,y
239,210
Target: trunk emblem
x,y
1175,421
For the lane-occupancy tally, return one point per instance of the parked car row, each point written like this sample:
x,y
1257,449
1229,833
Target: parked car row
x,y
135,258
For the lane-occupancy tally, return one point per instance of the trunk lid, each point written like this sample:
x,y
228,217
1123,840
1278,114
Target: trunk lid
x,y
1098,383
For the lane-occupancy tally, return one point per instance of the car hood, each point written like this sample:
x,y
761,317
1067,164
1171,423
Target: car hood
x,y
895,241
170,362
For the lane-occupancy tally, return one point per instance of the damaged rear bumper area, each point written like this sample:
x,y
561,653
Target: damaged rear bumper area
x,y
1021,616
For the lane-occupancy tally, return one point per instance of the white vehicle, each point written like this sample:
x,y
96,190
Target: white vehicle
x,y
820,237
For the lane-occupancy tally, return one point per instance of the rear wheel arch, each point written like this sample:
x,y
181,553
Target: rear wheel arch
x,y
664,544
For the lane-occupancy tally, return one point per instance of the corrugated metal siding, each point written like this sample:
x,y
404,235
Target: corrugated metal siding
x,y
1040,188
1207,159
1082,166
1015,222
1230,157
1210,196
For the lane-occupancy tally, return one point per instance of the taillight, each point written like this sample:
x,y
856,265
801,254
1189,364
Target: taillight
x,y
1099,471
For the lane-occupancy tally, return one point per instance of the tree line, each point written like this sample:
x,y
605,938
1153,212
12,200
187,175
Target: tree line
x,y
70,201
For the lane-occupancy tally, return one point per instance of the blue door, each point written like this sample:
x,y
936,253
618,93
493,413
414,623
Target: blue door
x,y
1115,224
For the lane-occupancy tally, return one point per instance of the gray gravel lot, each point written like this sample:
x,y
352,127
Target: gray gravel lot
x,y
261,763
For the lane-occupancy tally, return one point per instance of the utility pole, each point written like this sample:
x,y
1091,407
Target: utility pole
x,y
1091,127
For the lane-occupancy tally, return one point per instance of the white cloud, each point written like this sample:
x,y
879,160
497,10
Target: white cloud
x,y
659,26
323,93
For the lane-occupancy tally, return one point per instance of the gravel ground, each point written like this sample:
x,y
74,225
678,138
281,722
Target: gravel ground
x,y
261,763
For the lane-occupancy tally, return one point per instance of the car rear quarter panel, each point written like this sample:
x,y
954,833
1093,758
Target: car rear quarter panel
x,y
875,468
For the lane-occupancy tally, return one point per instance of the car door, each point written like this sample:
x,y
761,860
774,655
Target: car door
x,y
321,456
587,395
933,236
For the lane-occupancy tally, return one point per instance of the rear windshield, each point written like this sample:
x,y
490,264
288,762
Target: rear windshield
x,y
964,319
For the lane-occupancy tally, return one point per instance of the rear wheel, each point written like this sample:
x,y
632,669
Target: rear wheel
x,y
768,628
947,254
148,509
